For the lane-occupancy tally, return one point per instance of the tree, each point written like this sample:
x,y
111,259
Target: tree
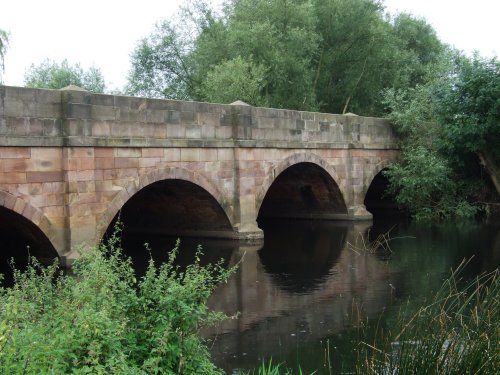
x,y
52,75
329,55
4,42
469,108
453,119
235,79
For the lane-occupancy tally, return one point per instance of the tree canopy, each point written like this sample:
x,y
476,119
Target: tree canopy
x,y
4,41
450,125
327,55
52,75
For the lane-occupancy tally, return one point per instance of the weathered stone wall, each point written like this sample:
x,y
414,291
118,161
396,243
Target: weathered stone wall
x,y
69,160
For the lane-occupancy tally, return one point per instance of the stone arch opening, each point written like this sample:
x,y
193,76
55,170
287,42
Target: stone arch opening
x,y
164,211
21,239
378,202
173,207
303,190
119,201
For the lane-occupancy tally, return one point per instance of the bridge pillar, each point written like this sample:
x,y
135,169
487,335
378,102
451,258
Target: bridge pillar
x,y
245,213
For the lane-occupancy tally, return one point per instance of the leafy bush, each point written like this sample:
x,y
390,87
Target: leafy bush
x,y
103,320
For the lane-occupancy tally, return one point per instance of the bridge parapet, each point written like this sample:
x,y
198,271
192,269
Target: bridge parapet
x,y
55,118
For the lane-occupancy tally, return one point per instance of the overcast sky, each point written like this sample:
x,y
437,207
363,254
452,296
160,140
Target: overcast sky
x,y
103,33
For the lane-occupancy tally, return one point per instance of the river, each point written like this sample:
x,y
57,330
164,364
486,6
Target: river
x,y
302,296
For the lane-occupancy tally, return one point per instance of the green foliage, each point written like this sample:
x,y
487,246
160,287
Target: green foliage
x,y
469,107
52,75
424,183
333,56
451,120
102,320
274,369
4,42
235,80
457,332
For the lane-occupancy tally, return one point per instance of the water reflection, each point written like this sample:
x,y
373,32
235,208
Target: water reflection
x,y
301,286
302,293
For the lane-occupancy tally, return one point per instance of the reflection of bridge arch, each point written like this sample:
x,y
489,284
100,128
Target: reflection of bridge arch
x,y
40,225
291,161
162,175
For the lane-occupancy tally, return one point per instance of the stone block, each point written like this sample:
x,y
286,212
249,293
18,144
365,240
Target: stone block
x,y
172,154
13,165
176,131
190,154
128,152
13,178
193,131
126,162
172,117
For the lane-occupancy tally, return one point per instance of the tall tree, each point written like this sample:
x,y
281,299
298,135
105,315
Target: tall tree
x,y
329,55
4,41
450,124
52,75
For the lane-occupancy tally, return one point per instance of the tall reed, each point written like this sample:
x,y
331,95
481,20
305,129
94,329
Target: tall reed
x,y
457,332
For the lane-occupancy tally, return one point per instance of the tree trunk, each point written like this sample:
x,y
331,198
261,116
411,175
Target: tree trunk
x,y
491,167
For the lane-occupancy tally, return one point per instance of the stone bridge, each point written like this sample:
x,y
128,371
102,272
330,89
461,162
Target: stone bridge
x,y
71,161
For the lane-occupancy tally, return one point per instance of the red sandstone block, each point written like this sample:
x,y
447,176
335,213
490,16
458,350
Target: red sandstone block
x,y
54,187
148,162
104,152
9,201
19,206
87,163
15,152
13,165
105,163
80,176
124,162
71,164
54,211
12,178
35,188
81,152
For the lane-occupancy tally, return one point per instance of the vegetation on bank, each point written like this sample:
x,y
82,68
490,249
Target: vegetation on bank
x,y
102,320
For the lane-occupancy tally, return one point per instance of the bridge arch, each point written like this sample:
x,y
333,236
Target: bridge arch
x,y
20,216
158,175
369,177
291,161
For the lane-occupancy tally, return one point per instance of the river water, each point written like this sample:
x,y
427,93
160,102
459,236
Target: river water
x,y
301,296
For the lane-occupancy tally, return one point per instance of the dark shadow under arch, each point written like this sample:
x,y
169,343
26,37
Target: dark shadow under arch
x,y
165,211
378,202
173,207
303,190
20,239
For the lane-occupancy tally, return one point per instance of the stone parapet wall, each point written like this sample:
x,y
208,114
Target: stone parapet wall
x,y
34,117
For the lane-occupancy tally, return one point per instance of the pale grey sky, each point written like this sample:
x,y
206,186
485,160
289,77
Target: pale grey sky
x,y
103,33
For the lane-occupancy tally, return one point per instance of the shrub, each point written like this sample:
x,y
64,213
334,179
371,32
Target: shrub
x,y
103,320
